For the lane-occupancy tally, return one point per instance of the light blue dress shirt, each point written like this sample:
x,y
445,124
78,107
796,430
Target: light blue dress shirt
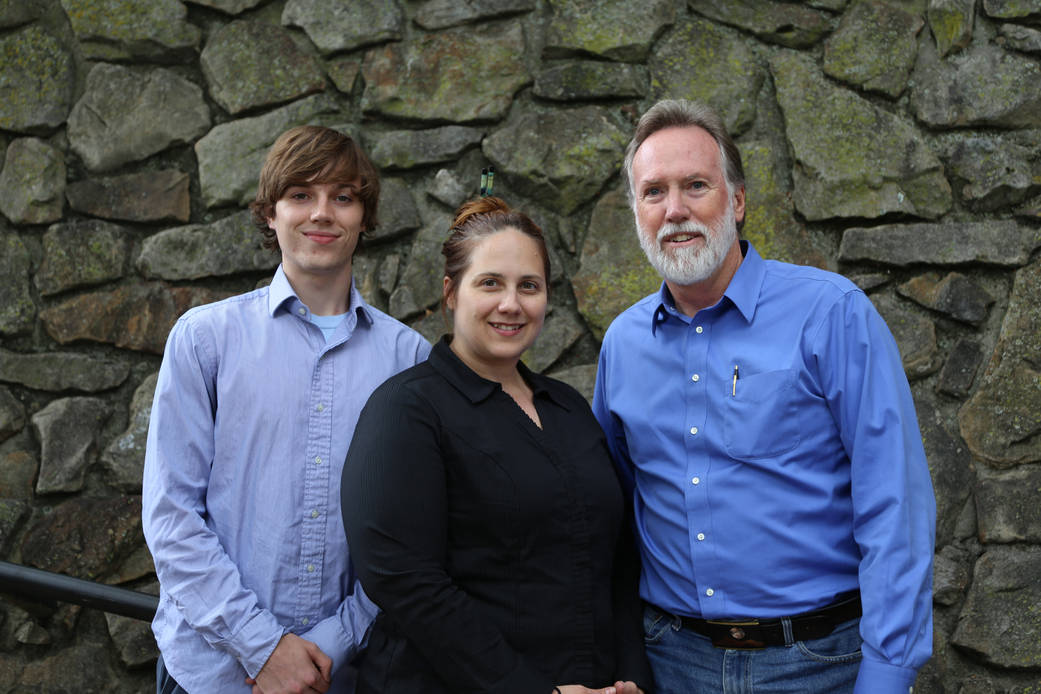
x,y
251,421
776,459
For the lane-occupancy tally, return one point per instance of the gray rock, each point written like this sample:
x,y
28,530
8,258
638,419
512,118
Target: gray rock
x,y
232,7
950,466
1012,9
228,246
994,173
240,77
388,272
874,47
17,310
397,210
577,80
407,149
230,155
432,325
408,79
853,159
1007,506
51,673
581,378
86,537
133,639
677,68
1021,38
12,413
560,158
993,242
614,272
951,573
17,475
561,330
132,316
81,253
67,430
1001,422
591,27
870,280
132,29
148,196
333,25
448,189
124,458
982,85
127,115
784,23
915,336
955,295
951,24
343,71
959,371
33,181
441,14
37,81
17,12
420,284
60,371
32,633
1002,602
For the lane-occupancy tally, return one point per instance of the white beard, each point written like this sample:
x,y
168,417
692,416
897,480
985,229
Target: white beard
x,y
690,265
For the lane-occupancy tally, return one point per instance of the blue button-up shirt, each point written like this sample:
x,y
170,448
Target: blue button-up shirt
x,y
776,459
252,417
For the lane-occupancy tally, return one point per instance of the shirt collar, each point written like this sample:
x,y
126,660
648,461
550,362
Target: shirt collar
x,y
281,295
476,388
743,290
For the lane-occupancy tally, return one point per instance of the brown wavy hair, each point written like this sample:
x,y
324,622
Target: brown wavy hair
x,y
309,154
476,220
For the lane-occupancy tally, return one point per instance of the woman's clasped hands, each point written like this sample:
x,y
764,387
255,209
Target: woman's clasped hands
x,y
617,688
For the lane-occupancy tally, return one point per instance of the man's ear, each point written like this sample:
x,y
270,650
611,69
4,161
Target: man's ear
x,y
739,204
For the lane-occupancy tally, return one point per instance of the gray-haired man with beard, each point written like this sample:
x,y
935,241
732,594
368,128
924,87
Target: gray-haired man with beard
x,y
760,412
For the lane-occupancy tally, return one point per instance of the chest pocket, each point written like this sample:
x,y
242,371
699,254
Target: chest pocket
x,y
760,416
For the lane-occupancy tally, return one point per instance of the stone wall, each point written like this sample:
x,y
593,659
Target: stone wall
x,y
896,142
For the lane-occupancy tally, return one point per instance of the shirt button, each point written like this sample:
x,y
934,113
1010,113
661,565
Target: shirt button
x,y
696,480
310,568
695,378
320,407
314,514
303,311
318,460
694,430
305,621
699,330
701,536
710,592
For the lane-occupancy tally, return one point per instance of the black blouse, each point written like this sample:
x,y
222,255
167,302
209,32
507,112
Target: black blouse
x,y
496,550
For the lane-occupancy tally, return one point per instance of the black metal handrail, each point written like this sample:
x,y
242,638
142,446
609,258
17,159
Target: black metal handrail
x,y
37,584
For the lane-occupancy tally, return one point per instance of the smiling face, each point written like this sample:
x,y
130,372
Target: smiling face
x,y
317,226
685,213
499,302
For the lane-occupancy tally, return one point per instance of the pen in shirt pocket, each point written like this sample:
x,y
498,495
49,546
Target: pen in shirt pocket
x,y
733,388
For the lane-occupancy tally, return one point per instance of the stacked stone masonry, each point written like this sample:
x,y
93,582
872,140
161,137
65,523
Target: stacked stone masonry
x,y
895,141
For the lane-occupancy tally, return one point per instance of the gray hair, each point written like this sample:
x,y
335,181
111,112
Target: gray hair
x,y
680,113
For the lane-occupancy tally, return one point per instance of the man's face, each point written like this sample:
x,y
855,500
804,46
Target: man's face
x,y
318,226
685,216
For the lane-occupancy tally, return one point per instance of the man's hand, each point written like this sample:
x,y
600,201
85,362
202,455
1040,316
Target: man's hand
x,y
296,666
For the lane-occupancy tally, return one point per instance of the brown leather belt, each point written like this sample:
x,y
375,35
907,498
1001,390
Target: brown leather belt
x,y
755,634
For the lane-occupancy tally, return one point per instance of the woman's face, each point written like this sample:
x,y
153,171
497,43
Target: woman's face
x,y
499,302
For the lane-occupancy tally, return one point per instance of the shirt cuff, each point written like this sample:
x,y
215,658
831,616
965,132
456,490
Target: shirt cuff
x,y
343,635
876,677
256,641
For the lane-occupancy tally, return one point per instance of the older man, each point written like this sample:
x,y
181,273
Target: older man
x,y
761,414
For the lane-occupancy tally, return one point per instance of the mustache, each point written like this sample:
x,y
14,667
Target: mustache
x,y
687,227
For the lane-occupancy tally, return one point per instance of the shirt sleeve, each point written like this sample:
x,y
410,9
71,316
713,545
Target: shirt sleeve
x,y
894,508
394,504
613,430
194,570
343,635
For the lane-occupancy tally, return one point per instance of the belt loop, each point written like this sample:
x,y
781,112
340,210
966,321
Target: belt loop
x,y
786,627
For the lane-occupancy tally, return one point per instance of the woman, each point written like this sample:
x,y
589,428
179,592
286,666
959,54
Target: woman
x,y
481,507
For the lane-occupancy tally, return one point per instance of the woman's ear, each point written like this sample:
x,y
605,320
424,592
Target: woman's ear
x,y
448,294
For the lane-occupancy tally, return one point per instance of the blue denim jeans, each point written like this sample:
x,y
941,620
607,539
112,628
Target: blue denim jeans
x,y
685,662
164,684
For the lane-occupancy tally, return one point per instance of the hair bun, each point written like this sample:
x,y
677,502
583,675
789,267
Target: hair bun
x,y
478,206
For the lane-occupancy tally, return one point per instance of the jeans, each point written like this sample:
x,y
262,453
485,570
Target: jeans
x,y
685,662
164,684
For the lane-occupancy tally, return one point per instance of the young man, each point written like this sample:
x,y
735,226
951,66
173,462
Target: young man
x,y
254,410
761,413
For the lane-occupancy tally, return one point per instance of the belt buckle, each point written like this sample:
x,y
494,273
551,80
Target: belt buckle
x,y
736,639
